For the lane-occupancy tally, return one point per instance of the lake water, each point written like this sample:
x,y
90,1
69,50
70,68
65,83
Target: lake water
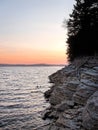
x,y
22,96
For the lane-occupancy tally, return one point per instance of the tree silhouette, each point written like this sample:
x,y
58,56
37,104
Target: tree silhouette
x,y
83,29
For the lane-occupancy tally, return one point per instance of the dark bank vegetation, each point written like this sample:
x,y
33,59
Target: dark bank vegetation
x,y
82,29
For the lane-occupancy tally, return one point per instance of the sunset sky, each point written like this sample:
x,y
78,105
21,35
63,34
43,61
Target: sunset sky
x,y
31,31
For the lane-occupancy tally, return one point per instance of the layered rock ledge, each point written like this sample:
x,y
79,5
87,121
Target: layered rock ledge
x,y
73,97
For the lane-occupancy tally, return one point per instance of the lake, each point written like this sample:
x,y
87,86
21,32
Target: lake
x,y
22,96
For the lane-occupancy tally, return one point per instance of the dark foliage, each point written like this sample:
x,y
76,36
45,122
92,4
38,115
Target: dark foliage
x,y
83,29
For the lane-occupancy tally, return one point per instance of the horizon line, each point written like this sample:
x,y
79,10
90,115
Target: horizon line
x,y
35,64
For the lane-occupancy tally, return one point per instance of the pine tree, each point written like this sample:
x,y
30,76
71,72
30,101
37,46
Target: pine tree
x,y
83,29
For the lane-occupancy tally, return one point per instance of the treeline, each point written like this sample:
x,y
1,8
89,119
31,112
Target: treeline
x,y
82,29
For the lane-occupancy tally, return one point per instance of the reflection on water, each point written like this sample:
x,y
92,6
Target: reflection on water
x,y
21,96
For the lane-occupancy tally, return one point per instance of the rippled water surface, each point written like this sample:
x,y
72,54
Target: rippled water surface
x,y
21,96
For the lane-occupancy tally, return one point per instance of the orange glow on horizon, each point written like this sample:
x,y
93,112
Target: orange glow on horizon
x,y
34,57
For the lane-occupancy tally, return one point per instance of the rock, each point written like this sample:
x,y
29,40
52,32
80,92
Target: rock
x,y
64,105
70,103
53,115
86,76
57,77
83,93
66,123
96,68
72,85
80,110
92,73
90,113
89,83
59,94
48,93
46,114
54,127
74,96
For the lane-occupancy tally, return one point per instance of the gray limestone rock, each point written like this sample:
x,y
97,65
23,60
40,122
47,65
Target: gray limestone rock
x,y
66,123
59,94
72,85
90,113
83,93
74,96
64,105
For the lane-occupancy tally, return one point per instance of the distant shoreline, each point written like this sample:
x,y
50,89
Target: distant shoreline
x,y
30,65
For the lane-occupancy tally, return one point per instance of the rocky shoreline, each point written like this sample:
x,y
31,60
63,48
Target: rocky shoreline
x,y
73,97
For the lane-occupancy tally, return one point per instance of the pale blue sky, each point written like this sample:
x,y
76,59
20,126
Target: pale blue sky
x,y
33,25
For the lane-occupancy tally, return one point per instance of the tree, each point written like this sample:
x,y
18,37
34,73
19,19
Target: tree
x,y
83,29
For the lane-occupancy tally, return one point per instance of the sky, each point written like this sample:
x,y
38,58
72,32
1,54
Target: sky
x,y
31,31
